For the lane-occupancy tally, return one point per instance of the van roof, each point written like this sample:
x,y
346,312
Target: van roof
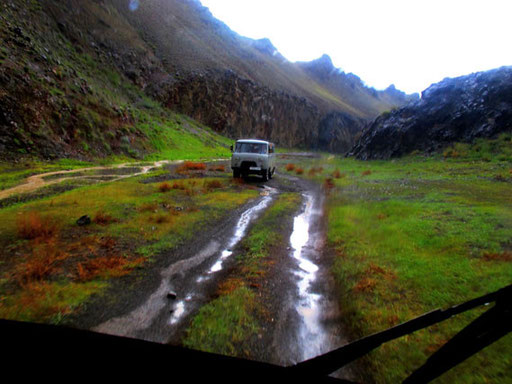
x,y
253,141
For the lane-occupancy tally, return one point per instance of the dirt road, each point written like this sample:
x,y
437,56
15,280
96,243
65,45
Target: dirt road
x,y
298,291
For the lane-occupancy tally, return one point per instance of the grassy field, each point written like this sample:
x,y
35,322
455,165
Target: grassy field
x,y
49,265
416,234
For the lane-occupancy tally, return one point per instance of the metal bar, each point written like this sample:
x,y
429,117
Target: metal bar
x,y
334,360
483,331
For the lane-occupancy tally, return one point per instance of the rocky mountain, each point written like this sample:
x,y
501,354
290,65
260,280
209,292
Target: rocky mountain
x,y
453,110
77,76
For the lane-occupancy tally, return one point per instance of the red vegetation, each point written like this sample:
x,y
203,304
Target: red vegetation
x,y
190,166
218,168
503,256
102,218
299,171
329,184
367,172
111,266
212,184
290,167
33,226
366,284
314,170
44,261
164,187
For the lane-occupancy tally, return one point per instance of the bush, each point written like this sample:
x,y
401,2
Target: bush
x,y
290,167
102,218
164,187
32,226
212,184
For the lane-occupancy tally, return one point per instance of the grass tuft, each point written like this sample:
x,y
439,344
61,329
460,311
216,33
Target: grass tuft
x,y
290,167
33,226
164,187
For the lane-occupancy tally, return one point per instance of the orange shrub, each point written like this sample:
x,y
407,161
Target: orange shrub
x,y
337,174
212,184
164,187
367,172
44,260
366,284
290,167
299,171
178,185
218,168
33,226
329,183
109,266
102,218
148,207
504,256
314,170
191,166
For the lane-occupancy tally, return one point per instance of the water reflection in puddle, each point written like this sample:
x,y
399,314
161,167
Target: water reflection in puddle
x,y
312,338
240,230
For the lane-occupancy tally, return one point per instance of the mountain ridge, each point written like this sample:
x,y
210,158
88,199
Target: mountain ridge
x,y
87,66
464,108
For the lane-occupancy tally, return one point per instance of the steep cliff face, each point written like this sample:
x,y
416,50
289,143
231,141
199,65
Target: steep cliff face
x,y
76,77
239,107
458,109
244,87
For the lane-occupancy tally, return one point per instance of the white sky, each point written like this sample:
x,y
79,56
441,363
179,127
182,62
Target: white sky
x,y
409,43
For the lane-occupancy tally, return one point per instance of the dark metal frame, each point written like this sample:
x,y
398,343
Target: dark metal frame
x,y
91,353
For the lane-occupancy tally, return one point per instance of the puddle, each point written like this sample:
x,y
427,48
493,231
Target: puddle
x,y
240,229
312,338
44,179
142,317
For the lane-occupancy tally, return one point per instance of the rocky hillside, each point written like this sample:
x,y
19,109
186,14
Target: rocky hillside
x,y
453,110
88,78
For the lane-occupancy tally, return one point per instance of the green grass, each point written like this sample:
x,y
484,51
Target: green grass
x,y
14,174
224,323
420,233
48,302
142,223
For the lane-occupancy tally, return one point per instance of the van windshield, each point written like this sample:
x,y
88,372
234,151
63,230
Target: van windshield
x,y
251,148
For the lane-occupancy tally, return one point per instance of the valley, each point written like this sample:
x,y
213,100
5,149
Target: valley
x,y
120,213
187,255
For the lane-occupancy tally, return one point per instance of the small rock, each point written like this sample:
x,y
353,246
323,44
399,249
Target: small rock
x,y
84,220
171,295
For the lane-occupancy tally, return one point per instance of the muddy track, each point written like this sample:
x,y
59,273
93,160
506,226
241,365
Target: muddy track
x,y
298,291
106,173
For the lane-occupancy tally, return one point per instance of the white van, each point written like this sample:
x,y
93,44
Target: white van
x,y
253,157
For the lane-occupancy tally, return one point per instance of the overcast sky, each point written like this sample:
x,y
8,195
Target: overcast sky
x,y
406,42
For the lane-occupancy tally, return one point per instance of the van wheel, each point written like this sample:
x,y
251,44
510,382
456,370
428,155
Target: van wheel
x,y
236,173
270,174
266,175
